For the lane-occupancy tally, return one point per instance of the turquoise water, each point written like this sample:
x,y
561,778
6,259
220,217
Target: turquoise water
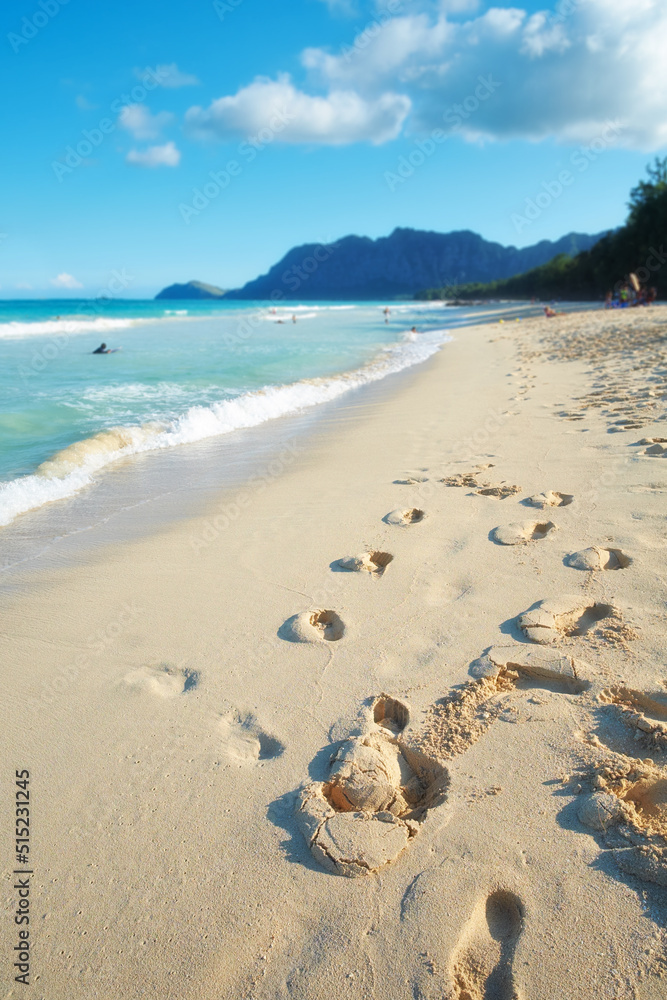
x,y
182,372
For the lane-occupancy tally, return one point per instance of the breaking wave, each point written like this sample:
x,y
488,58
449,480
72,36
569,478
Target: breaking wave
x,y
74,468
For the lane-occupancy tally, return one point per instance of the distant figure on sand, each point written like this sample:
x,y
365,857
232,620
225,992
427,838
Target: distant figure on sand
x,y
294,317
549,312
387,313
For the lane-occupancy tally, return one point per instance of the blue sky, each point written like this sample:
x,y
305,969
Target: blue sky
x,y
303,122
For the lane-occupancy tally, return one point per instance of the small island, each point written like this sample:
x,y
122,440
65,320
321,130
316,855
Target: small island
x,y
191,290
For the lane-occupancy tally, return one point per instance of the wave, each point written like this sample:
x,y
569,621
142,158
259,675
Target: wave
x,y
73,468
78,324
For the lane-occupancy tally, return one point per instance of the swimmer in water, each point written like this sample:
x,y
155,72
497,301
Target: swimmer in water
x,y
103,349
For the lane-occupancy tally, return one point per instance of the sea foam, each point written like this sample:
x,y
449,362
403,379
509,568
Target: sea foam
x,y
74,468
53,327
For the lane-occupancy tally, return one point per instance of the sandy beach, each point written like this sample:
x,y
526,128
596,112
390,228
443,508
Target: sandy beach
x,y
390,722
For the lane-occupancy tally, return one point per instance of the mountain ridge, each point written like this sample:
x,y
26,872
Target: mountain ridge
x,y
399,265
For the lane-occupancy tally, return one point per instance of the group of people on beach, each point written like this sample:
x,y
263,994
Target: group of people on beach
x,y
630,293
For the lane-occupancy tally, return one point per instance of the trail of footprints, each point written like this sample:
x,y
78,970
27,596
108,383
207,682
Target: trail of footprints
x,y
380,785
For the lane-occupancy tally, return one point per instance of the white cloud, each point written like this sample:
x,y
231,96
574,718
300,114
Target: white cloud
x,y
560,74
155,156
65,280
342,117
171,76
138,120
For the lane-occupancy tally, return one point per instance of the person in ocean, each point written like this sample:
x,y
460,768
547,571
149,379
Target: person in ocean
x,y
103,349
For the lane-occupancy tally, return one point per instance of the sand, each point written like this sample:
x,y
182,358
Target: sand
x,y
391,725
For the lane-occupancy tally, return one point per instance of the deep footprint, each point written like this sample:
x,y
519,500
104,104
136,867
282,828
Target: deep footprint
x,y
321,625
597,558
482,963
522,534
374,799
553,620
641,712
550,498
500,492
627,804
245,741
374,562
411,515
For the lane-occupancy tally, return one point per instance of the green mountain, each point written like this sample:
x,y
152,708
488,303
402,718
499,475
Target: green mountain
x,y
357,267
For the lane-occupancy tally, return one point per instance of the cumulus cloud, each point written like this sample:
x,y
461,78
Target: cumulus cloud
x,y
155,156
560,74
138,120
563,74
292,116
65,280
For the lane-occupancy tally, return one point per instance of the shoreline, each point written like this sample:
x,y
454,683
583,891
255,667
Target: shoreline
x,y
159,697
87,497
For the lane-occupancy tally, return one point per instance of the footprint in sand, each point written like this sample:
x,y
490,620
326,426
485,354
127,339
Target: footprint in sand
x,y
411,481
163,680
500,492
468,479
533,664
550,498
405,517
646,714
374,562
597,558
374,799
320,625
656,450
481,967
552,620
627,804
521,534
245,741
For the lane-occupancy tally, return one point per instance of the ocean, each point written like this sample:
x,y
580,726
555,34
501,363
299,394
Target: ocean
x,y
180,373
